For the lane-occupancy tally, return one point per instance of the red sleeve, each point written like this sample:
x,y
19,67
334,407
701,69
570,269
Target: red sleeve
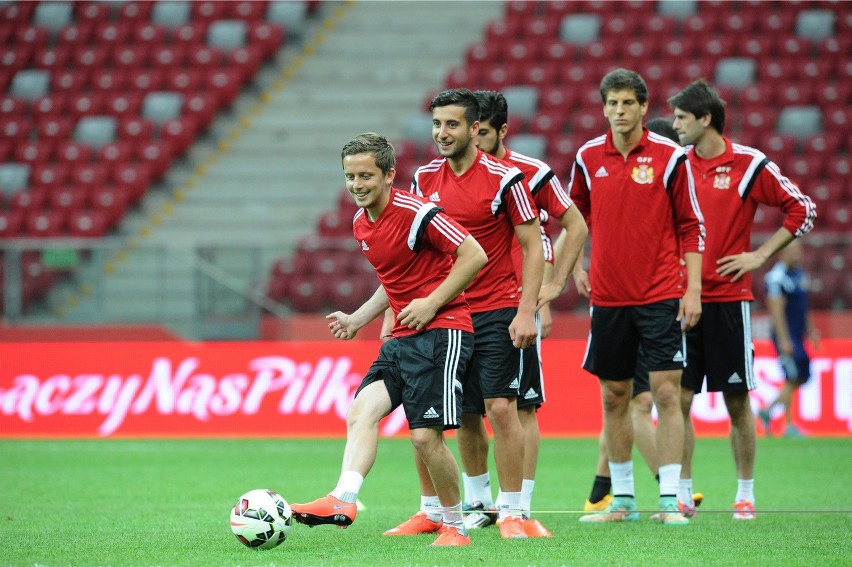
x,y
774,189
689,222
579,191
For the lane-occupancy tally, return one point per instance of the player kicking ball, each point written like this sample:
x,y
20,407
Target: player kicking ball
x,y
424,260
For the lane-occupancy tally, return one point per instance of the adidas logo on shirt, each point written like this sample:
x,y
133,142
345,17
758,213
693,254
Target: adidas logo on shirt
x,y
678,357
516,383
735,379
434,197
364,245
431,414
601,172
530,394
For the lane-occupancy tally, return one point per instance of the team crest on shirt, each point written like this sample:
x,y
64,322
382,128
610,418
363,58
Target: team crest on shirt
x,y
643,174
722,179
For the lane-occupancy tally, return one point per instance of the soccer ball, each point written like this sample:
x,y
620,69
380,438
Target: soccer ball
x,y
261,519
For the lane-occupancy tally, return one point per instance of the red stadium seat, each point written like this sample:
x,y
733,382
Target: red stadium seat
x,y
110,80
33,199
269,36
124,105
134,178
778,147
135,12
15,128
75,35
49,175
86,104
91,175
804,167
35,152
135,129
115,152
168,57
69,81
558,51
180,132
146,80
191,34
55,128
249,10
209,10
307,295
45,223
202,106
73,153
11,107
87,223
205,58
51,58
112,201
247,59
227,83
112,34
157,155
827,143
90,57
130,56
838,167
11,223
348,294
146,33
67,199
186,80
16,58
92,11
18,12
33,36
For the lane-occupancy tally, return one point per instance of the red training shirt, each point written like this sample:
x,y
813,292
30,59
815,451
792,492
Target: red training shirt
x,y
488,199
729,188
411,246
642,213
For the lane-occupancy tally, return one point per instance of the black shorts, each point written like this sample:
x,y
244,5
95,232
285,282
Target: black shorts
x,y
494,368
619,333
720,348
797,368
532,376
424,372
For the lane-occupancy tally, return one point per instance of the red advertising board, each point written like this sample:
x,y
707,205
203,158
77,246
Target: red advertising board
x,y
137,389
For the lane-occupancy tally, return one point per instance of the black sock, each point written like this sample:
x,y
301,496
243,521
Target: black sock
x,y
600,488
657,476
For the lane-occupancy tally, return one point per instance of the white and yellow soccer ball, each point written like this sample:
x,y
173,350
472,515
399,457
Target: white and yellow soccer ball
x,y
261,519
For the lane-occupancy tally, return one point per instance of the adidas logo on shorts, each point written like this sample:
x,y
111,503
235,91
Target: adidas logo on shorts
x,y
431,414
678,357
735,379
530,394
516,383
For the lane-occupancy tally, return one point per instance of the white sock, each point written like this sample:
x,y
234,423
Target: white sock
x,y
684,491
669,479
348,486
622,478
745,490
453,517
432,506
478,489
526,496
510,504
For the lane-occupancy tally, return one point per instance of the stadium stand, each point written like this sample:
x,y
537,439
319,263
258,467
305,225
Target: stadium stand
x,y
97,99
783,67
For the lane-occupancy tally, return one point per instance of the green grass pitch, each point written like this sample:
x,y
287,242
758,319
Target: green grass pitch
x,y
167,502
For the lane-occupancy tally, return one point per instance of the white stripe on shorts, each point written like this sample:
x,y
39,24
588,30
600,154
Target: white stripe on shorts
x,y
748,345
451,365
